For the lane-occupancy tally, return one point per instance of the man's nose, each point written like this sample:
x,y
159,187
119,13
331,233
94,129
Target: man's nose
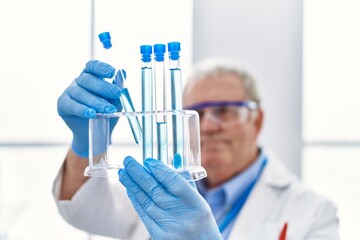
x,y
209,122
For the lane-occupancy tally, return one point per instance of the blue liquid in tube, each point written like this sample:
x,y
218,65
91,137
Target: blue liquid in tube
x,y
133,120
162,144
147,101
147,106
176,102
160,97
125,98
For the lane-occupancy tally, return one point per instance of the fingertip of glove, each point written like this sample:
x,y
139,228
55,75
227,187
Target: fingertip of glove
x,y
115,91
128,160
110,109
150,162
121,173
110,71
100,68
90,113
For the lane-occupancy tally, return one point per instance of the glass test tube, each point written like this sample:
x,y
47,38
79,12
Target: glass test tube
x,y
160,102
125,98
176,102
147,100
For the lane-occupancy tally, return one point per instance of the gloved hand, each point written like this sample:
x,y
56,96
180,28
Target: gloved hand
x,y
87,95
169,206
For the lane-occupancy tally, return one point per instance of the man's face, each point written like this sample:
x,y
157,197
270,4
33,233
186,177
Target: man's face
x,y
227,146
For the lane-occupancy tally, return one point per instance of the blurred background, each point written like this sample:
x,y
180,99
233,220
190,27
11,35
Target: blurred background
x,y
303,53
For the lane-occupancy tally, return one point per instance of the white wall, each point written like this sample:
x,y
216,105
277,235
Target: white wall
x,y
266,36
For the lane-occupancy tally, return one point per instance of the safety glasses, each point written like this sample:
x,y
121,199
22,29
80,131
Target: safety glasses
x,y
224,111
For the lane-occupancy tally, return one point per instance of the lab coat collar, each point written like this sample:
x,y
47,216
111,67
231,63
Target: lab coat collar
x,y
260,203
233,188
275,174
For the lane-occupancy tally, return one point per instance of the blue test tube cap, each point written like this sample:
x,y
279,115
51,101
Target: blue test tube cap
x,y
105,39
174,49
159,51
146,51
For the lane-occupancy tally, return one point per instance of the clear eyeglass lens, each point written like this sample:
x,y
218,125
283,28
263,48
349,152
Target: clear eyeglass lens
x,y
225,114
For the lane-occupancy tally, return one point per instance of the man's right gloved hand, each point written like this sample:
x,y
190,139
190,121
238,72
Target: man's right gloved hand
x,y
87,95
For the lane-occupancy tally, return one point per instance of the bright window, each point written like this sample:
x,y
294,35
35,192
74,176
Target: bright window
x,y
331,129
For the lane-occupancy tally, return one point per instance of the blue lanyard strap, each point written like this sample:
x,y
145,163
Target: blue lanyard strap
x,y
239,203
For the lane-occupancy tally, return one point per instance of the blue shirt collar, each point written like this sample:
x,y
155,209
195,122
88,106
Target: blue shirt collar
x,y
230,191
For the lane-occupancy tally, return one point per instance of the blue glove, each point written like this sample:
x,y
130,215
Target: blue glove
x,y
87,95
168,205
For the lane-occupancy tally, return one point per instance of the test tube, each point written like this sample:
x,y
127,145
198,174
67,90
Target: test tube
x,y
160,102
125,98
176,101
147,100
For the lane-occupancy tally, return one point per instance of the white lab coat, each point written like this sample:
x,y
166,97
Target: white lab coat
x,y
103,208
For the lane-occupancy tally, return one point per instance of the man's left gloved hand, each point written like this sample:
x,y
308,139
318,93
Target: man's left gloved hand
x,y
169,206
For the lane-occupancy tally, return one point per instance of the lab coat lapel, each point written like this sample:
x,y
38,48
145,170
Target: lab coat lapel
x,y
262,200
256,209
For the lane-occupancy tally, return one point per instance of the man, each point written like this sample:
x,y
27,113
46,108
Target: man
x,y
250,193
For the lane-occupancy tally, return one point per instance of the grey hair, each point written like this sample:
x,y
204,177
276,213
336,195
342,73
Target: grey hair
x,y
217,66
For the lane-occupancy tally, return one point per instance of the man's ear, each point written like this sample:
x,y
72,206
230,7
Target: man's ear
x,y
258,119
